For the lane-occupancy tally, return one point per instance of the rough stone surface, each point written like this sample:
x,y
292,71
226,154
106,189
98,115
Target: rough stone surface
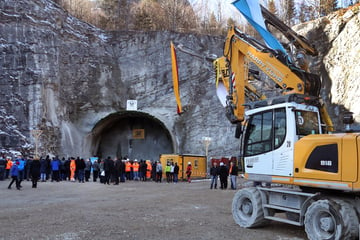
x,y
335,36
65,76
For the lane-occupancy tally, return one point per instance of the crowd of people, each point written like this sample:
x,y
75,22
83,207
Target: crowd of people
x,y
106,170
223,172
81,170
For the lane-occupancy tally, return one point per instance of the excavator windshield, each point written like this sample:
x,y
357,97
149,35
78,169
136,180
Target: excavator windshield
x,y
306,123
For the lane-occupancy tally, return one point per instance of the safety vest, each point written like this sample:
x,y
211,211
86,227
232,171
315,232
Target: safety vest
x,y
127,167
9,164
149,167
72,165
135,167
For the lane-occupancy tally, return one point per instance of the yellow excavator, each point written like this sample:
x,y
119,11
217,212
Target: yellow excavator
x,y
304,173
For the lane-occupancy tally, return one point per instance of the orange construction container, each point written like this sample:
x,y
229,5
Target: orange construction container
x,y
198,162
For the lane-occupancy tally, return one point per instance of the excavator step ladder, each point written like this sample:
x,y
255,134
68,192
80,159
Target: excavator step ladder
x,y
285,205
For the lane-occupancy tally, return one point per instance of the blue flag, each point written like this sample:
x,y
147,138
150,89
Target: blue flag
x,y
250,9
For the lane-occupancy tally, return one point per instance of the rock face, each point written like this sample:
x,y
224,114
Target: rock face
x,y
335,36
72,81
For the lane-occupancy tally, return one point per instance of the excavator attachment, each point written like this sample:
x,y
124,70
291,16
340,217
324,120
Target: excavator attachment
x,y
175,75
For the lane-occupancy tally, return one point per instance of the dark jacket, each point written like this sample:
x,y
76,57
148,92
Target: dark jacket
x,y
176,169
234,170
43,165
214,171
109,165
80,164
35,169
223,171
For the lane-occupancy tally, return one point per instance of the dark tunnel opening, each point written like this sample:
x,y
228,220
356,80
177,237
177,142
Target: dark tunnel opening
x,y
131,134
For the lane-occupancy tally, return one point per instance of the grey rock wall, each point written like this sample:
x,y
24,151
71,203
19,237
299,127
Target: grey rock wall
x,y
64,76
337,38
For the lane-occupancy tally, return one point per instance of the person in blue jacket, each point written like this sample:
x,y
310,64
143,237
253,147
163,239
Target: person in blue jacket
x,y
14,173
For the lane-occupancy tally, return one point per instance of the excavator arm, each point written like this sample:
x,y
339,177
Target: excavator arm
x,y
234,77
232,71
233,74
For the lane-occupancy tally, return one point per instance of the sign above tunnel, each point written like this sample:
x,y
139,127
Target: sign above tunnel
x,y
138,134
131,105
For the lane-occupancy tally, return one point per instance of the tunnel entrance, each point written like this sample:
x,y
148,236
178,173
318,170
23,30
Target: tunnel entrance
x,y
133,134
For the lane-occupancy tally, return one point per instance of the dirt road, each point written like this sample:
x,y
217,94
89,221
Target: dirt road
x,y
131,210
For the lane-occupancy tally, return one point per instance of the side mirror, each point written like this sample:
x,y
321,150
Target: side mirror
x,y
238,130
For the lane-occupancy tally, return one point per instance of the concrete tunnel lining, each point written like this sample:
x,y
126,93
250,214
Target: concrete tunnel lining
x,y
113,136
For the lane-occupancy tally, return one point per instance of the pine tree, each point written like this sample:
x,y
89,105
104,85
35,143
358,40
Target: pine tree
x,y
327,6
289,12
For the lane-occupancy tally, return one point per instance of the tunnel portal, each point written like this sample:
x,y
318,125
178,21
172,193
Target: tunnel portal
x,y
131,134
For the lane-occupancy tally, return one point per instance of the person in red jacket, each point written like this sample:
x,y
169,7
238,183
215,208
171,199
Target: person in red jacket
x,y
188,172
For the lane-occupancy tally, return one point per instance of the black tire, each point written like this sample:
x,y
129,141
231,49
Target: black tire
x,y
247,208
330,220
350,219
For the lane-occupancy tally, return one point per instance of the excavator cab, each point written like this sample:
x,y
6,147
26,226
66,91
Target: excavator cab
x,y
270,133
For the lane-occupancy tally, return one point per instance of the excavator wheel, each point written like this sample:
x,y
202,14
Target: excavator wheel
x,y
331,220
247,208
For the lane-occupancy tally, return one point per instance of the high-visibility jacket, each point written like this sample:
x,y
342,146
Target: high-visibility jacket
x,y
72,165
128,167
9,164
135,167
148,167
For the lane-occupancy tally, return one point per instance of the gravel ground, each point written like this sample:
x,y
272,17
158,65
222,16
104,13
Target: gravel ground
x,y
131,210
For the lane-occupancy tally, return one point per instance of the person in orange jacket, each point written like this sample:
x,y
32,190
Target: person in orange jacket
x,y
136,167
148,169
128,167
9,164
72,169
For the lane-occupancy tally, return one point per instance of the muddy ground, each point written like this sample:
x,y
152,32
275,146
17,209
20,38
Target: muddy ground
x,y
131,210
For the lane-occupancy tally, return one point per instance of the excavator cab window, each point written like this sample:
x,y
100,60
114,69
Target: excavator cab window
x,y
265,132
306,123
280,127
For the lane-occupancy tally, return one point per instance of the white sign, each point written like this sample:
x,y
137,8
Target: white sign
x,y
131,105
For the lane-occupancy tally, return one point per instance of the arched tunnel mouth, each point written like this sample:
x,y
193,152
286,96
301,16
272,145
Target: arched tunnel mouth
x,y
130,134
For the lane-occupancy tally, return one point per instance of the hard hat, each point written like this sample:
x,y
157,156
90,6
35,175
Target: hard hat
x,y
221,164
189,163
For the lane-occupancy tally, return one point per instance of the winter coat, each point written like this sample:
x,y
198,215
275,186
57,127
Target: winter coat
x,y
88,165
43,166
223,171
21,164
214,171
158,168
176,169
35,169
95,166
14,171
234,170
80,164
55,165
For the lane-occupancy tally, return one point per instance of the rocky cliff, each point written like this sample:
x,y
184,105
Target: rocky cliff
x,y
337,39
72,81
